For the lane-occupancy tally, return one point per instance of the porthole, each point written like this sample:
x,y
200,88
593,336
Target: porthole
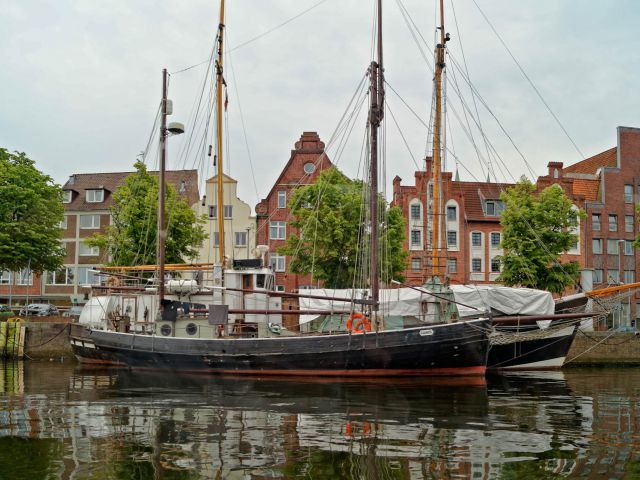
x,y
192,329
165,330
309,167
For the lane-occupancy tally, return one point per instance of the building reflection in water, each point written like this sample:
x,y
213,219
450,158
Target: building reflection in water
x,y
117,424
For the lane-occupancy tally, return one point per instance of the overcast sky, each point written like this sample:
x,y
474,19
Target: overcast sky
x,y
81,80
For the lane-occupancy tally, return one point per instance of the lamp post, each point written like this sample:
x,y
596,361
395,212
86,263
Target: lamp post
x,y
174,128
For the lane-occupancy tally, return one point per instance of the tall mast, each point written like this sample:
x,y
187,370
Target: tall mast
x,y
162,227
219,83
436,173
375,117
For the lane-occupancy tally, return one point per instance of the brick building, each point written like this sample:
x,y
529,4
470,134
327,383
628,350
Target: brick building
x,y
273,215
605,186
87,200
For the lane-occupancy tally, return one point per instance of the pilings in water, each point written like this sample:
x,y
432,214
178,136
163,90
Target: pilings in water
x,y
12,337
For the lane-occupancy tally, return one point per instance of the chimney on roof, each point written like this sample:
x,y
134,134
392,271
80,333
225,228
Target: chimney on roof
x,y
554,169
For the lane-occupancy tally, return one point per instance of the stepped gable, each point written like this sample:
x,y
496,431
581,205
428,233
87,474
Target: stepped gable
x,y
185,183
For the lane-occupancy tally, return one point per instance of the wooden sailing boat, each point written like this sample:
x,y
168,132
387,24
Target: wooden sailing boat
x,y
197,328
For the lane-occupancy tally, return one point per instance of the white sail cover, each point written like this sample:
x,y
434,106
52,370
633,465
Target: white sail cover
x,y
505,300
476,299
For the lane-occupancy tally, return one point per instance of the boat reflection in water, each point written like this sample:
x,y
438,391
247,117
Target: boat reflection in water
x,y
58,421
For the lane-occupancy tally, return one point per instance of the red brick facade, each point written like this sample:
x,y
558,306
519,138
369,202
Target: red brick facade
x,y
273,215
606,187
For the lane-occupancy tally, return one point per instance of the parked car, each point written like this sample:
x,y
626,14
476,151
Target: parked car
x,y
73,311
39,310
5,312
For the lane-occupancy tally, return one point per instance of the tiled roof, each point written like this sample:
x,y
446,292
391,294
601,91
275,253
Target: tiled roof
x,y
474,193
81,182
586,188
608,158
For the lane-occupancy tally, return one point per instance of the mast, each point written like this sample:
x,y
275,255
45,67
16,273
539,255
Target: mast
x,y
218,158
375,117
437,128
162,224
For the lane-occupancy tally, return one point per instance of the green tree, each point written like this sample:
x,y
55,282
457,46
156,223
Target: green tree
x,y
131,238
329,215
536,230
30,214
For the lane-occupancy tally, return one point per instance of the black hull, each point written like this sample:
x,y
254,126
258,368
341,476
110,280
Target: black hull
x,y
533,354
453,349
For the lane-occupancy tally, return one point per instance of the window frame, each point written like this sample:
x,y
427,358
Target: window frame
x,y
451,233
495,261
415,237
491,237
452,262
596,226
83,245
282,199
613,222
67,196
416,264
274,262
476,261
600,243
454,209
243,235
91,195
279,228
475,235
93,226
628,193
628,223
415,211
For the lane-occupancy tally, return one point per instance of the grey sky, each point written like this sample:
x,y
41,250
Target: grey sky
x,y
81,79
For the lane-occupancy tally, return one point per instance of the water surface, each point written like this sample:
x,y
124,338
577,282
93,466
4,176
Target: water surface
x,y
59,420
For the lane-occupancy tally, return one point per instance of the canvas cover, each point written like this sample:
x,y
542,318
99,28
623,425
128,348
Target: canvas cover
x,y
476,299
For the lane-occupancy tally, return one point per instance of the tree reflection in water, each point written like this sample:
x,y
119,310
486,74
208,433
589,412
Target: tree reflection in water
x,y
61,421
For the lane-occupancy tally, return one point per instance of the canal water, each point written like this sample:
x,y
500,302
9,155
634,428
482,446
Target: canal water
x,y
59,420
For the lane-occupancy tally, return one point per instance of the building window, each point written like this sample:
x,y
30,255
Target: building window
x,y
416,238
87,276
452,238
628,194
24,277
85,250
613,275
89,221
476,239
241,239
628,223
277,262
63,223
476,265
279,288
452,214
452,265
216,239
613,223
596,245
493,208
495,265
595,221
5,277
277,230
629,276
95,196
416,264
628,247
597,276
415,211
183,186
495,239
66,196
228,211
64,276
309,168
612,246
282,199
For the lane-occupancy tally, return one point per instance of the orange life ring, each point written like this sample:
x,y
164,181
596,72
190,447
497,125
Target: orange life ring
x,y
361,326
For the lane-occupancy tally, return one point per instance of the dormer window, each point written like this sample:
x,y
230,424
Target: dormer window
x,y
66,196
95,196
493,208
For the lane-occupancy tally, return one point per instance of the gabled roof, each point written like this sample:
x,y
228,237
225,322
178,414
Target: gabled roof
x,y
308,148
587,188
608,158
80,182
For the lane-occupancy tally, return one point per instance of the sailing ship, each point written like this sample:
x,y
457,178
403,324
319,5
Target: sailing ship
x,y
235,326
